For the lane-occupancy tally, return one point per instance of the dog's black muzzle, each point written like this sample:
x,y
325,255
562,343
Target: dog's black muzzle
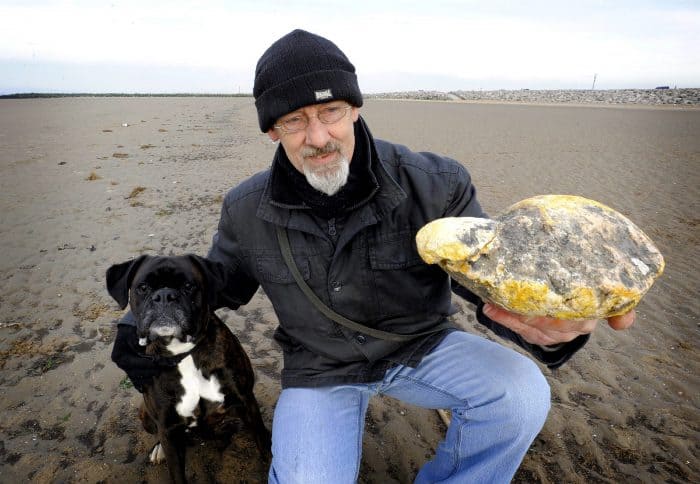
x,y
166,316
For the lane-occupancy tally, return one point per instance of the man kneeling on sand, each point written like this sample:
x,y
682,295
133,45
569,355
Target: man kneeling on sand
x,y
350,206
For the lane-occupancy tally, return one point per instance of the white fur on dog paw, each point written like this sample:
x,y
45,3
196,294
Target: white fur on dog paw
x,y
157,455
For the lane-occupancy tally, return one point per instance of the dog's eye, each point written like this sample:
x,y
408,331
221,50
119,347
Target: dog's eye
x,y
143,287
188,286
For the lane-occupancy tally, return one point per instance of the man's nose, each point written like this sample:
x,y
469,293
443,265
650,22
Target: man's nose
x,y
317,133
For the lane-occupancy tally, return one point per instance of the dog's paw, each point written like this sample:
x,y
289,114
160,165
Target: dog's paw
x,y
157,455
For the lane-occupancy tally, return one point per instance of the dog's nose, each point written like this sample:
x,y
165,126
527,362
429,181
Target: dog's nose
x,y
165,295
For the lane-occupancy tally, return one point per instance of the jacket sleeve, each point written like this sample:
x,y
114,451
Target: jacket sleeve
x,y
225,248
462,201
127,319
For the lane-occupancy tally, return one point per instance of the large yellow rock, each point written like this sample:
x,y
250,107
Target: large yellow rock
x,y
560,256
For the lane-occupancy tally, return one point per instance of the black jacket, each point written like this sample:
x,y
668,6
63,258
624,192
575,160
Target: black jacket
x,y
370,271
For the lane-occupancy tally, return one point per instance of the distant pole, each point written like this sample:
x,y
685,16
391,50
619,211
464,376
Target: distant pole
x,y
594,77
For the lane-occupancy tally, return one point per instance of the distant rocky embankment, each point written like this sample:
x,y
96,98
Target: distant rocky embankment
x,y
581,96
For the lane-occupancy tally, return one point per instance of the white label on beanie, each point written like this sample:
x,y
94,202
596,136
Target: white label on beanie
x,y
325,94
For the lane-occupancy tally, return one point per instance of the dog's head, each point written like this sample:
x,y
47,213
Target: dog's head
x,y
170,297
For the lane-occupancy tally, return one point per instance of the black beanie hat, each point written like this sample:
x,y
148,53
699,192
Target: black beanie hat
x,y
301,69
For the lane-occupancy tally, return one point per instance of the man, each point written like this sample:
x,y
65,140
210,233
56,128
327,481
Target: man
x,y
351,206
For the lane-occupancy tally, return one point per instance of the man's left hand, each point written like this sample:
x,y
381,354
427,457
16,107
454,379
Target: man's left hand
x,y
545,331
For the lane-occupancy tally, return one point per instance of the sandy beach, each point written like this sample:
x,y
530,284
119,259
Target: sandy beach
x,y
89,182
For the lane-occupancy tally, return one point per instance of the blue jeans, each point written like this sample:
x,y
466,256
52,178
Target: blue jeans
x,y
499,401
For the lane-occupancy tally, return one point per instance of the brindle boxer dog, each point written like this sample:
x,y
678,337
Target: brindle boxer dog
x,y
210,390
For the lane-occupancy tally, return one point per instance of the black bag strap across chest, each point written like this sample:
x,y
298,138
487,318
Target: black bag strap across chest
x,y
286,249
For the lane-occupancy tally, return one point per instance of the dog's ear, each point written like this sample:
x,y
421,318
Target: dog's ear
x,y
119,278
218,279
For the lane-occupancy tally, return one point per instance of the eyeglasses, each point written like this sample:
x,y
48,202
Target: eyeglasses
x,y
327,115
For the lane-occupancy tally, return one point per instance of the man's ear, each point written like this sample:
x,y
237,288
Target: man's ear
x,y
119,278
272,133
355,113
218,278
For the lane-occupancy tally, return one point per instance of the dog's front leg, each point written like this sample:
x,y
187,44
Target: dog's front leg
x,y
173,444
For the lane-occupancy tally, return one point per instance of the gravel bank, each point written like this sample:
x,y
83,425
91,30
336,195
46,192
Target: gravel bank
x,y
581,96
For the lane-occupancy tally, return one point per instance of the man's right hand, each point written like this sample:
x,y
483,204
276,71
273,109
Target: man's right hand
x,y
129,356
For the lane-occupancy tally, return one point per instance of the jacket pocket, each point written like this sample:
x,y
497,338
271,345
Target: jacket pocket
x,y
274,269
394,251
401,280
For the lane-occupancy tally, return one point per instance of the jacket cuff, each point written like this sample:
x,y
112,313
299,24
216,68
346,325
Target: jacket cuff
x,y
464,293
128,319
553,356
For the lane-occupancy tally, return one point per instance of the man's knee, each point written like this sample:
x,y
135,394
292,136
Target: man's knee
x,y
515,392
526,395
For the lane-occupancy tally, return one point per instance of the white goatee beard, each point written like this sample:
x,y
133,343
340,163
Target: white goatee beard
x,y
330,179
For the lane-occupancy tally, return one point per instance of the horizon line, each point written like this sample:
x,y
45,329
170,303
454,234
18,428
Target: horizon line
x,y
31,94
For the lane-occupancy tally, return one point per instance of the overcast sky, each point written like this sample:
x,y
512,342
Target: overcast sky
x,y
212,47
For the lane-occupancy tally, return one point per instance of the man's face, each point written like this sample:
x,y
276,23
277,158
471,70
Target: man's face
x,y
321,151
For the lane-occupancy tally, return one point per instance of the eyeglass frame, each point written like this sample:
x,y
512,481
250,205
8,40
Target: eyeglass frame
x,y
282,128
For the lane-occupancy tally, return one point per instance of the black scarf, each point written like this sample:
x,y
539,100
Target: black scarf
x,y
289,186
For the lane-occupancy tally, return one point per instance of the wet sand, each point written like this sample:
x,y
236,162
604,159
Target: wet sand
x,y
80,191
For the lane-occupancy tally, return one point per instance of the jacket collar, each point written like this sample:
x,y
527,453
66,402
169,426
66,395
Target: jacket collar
x,y
290,211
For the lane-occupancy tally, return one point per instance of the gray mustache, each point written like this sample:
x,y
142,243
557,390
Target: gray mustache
x,y
330,147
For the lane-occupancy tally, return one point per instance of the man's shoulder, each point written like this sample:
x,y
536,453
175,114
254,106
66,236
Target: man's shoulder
x,y
400,157
249,189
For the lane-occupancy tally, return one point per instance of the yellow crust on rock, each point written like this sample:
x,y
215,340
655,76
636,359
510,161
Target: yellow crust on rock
x,y
535,298
527,297
524,297
455,251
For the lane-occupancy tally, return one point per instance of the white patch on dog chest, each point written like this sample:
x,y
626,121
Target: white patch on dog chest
x,y
177,347
196,387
